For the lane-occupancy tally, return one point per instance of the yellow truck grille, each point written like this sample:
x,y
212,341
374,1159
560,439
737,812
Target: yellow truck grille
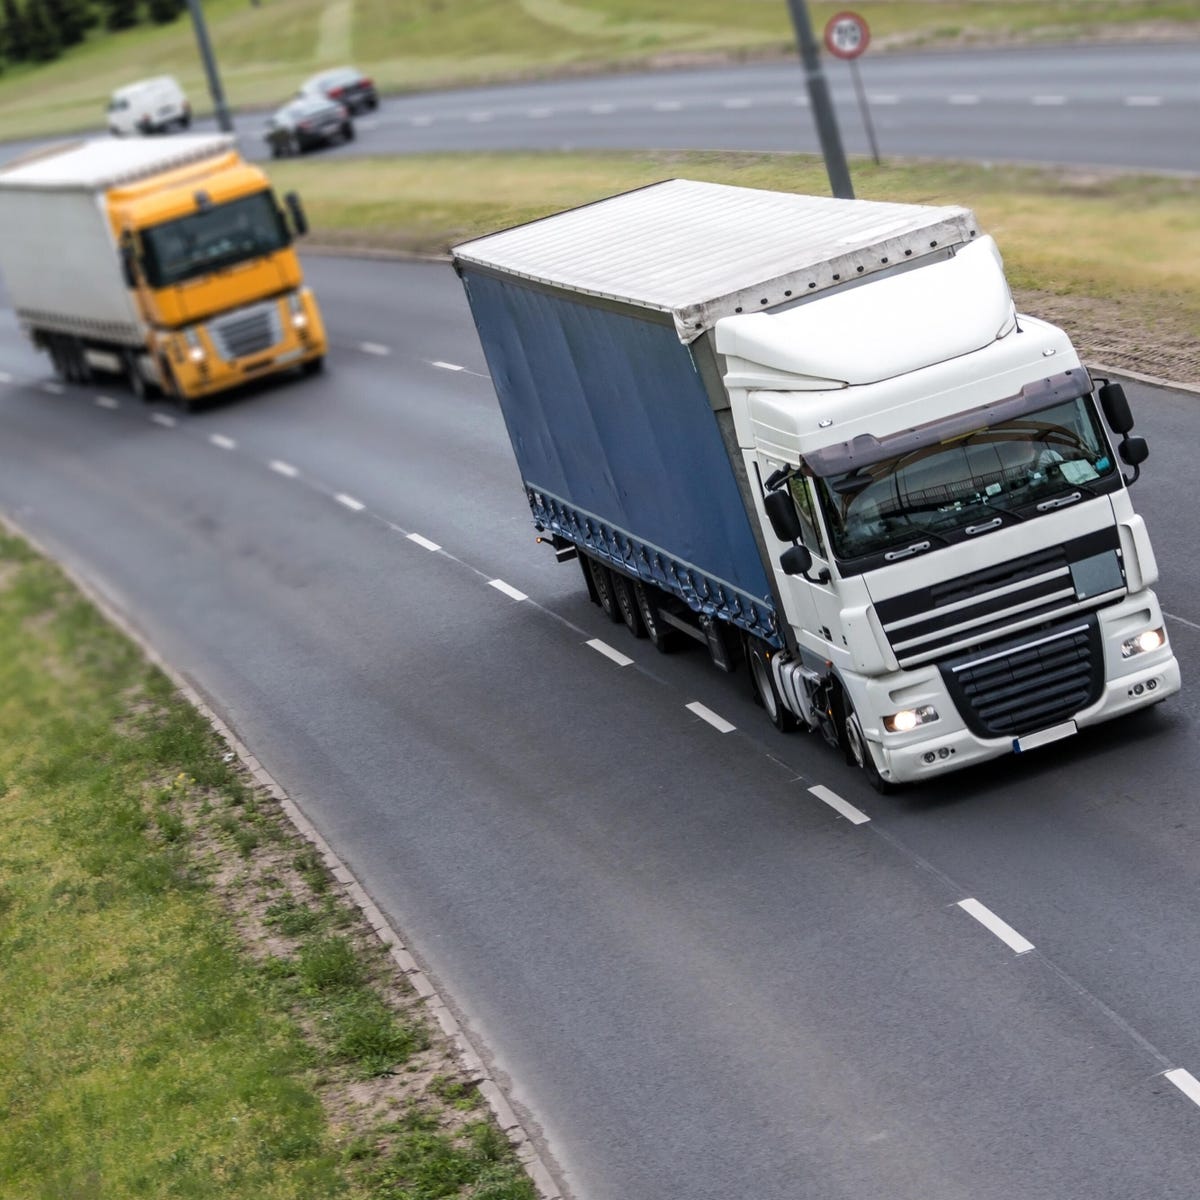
x,y
247,331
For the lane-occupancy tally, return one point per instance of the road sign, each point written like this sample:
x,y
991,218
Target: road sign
x,y
846,35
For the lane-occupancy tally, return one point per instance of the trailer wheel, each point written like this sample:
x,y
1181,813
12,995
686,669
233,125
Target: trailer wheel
x,y
606,592
762,680
628,605
662,637
858,751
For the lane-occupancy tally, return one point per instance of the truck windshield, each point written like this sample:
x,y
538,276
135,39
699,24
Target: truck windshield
x,y
970,482
215,237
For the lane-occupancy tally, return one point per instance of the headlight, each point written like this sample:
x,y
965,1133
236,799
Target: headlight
x,y
195,349
296,305
910,718
1147,640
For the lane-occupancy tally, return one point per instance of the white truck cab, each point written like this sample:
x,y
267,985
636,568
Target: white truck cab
x,y
149,106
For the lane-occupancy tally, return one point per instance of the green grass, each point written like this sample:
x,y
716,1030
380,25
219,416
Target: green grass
x,y
150,1045
265,50
1110,256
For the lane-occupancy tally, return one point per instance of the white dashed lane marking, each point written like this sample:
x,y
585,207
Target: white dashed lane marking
x,y
1048,101
847,810
622,660
164,419
106,402
283,468
1143,101
963,98
374,348
706,714
507,589
5,377
1186,1082
349,502
55,389
445,366
222,442
1004,931
423,541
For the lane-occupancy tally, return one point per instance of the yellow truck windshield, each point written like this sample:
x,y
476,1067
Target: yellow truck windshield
x,y
215,237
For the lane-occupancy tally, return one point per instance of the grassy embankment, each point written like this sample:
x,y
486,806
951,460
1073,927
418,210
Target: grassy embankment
x,y
1113,258
265,49
186,1008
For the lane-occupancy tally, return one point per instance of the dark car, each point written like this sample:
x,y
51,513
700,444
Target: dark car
x,y
346,85
308,122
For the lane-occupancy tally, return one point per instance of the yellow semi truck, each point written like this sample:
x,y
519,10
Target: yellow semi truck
x,y
169,261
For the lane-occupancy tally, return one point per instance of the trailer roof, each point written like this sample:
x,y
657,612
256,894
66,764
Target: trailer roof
x,y
702,251
109,162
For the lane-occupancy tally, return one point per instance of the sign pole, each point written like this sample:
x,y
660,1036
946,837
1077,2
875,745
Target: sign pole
x,y
847,36
865,109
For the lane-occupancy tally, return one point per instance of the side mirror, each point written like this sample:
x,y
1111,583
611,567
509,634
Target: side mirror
x,y
296,211
128,264
1116,408
796,561
781,512
1134,451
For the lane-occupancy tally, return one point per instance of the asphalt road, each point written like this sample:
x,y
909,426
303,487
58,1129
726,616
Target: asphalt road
x,y
1133,105
699,979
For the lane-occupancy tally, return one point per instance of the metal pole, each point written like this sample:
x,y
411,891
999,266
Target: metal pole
x,y
224,120
822,105
865,109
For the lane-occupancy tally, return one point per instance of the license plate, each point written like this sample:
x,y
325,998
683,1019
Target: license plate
x,y
1044,737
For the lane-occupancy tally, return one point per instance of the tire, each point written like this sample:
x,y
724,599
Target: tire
x,y
762,681
314,366
348,132
79,370
606,592
276,150
662,637
858,752
627,604
134,376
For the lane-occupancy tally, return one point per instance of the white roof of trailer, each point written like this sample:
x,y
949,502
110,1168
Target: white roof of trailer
x,y
702,251
100,163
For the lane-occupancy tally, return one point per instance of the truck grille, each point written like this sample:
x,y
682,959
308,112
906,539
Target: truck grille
x,y
247,331
965,612
1028,685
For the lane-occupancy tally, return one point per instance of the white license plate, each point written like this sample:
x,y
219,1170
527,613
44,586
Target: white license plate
x,y
1044,737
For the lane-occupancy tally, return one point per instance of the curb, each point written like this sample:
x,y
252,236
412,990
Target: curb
x,y
468,1056
1138,377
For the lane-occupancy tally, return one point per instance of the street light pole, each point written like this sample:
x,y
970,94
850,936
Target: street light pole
x,y
822,105
224,120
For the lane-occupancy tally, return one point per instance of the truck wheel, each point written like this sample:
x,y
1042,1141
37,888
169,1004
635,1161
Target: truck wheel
x,y
762,680
606,592
858,751
133,375
314,366
628,605
662,637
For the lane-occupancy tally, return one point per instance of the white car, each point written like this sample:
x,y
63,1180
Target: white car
x,y
149,106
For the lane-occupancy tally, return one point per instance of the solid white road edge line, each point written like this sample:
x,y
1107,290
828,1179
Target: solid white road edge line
x,y
622,660
225,443
1005,932
350,502
847,810
423,541
1186,1082
507,589
282,468
706,714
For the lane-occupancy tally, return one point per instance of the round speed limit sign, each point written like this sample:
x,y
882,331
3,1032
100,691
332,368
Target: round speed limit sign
x,y
846,35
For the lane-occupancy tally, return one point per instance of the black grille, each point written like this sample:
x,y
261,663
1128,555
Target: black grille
x,y
1026,685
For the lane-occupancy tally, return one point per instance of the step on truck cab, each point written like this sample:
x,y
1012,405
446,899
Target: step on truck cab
x,y
169,260
816,435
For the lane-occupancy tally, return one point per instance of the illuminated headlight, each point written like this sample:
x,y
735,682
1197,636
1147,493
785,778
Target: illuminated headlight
x,y
910,718
299,316
1147,640
195,349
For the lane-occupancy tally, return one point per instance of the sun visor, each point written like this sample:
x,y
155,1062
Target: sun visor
x,y
884,328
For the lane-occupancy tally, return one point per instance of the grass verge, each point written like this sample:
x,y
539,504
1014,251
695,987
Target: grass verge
x,y
1113,258
421,44
187,1006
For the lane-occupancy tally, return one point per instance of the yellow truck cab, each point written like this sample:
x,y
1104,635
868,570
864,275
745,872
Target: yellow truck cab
x,y
174,264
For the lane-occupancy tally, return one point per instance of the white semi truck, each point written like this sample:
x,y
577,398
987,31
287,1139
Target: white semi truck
x,y
816,435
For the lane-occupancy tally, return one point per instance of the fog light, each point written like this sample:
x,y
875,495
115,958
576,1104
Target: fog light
x,y
1147,640
944,752
1138,689
1151,684
910,718
928,756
